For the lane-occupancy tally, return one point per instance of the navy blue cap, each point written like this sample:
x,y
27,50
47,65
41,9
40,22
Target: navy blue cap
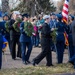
x,y
5,15
59,16
25,15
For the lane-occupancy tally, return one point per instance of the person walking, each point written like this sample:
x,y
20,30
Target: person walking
x,y
45,44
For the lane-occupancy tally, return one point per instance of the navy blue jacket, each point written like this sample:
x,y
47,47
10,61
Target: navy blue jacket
x,y
61,28
53,23
2,27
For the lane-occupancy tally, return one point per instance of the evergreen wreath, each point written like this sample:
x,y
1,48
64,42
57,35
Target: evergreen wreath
x,y
16,25
54,34
7,26
28,28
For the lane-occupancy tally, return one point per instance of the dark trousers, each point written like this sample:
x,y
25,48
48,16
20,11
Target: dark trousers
x,y
71,50
60,51
26,54
13,48
46,52
1,44
71,47
73,58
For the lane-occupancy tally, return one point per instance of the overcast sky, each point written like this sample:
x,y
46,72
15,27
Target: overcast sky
x,y
56,0
0,1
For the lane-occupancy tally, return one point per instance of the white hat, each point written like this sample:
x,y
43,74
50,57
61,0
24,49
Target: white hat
x,y
16,12
46,16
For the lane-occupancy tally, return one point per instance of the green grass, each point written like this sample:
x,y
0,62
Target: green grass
x,y
39,70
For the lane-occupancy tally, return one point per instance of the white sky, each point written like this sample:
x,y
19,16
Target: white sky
x,y
0,1
56,0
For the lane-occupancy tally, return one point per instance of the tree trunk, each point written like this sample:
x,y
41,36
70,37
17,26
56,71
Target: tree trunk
x,y
33,11
5,6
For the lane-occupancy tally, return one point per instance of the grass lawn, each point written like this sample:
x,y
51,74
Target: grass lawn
x,y
39,70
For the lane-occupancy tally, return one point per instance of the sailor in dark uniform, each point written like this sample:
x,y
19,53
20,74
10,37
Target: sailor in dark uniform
x,y
14,36
45,44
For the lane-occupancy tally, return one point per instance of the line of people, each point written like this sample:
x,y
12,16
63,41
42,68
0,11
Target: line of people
x,y
13,30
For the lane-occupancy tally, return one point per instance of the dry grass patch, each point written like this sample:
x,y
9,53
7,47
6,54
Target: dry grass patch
x,y
39,70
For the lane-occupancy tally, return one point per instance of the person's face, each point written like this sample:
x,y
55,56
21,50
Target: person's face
x,y
53,16
26,18
15,16
31,19
48,20
69,19
5,18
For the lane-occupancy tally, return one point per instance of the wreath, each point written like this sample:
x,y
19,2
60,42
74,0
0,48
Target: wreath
x,y
16,25
7,26
28,28
54,34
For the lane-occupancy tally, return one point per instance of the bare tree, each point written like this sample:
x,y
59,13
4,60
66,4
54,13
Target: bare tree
x,y
5,6
13,3
60,5
71,6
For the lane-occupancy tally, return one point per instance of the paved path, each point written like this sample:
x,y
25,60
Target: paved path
x,y
9,63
